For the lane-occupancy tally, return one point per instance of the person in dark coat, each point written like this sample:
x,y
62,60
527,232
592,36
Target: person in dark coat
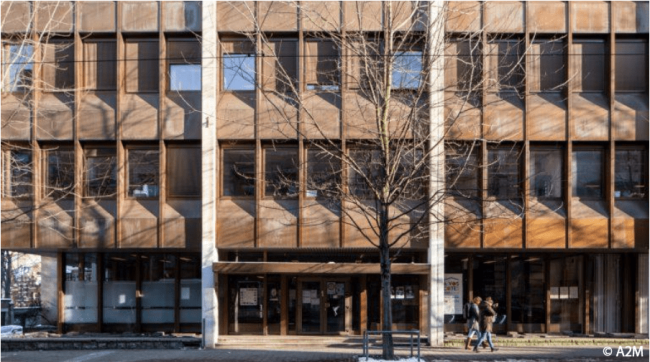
x,y
473,319
487,319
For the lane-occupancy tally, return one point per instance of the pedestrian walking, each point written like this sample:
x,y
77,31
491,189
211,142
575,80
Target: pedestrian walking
x,y
473,318
487,319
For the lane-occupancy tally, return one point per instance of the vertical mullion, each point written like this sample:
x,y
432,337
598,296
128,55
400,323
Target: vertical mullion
x,y
77,149
343,85
118,134
35,154
611,167
177,293
300,65
259,170
138,293
162,81
569,129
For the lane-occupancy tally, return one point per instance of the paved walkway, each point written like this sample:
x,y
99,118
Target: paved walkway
x,y
316,354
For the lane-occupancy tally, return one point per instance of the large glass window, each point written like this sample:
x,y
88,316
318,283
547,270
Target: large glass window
x,y
281,172
159,275
58,66
631,173
184,65
141,65
100,65
191,299
503,173
364,172
546,173
489,280
143,172
322,65
59,173
462,169
528,291
17,173
245,305
18,64
323,173
238,172
548,66
120,275
407,70
587,172
101,172
506,65
238,71
81,272
463,65
184,171
590,58
631,65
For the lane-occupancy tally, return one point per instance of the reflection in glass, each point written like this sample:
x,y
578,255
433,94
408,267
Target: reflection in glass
x,y
503,173
546,173
631,170
185,77
587,171
238,172
238,72
143,173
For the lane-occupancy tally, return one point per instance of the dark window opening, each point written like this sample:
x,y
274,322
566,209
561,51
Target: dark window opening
x,y
238,172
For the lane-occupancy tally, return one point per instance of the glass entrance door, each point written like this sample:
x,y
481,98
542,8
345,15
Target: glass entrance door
x,y
323,306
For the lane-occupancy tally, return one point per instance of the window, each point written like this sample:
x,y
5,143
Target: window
x,y
587,172
17,71
322,65
279,66
589,62
631,65
101,172
503,173
59,172
505,66
368,165
631,173
281,172
17,173
184,65
100,65
141,66
143,172
411,178
463,66
547,73
184,171
546,173
81,276
58,66
238,61
323,173
238,172
462,169
407,70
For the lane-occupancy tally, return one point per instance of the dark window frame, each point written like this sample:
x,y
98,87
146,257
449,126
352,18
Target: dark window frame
x,y
142,63
102,151
168,188
517,151
603,172
127,178
536,147
25,74
287,195
644,171
10,189
56,192
191,61
222,173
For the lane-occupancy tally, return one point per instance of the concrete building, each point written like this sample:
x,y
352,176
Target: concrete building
x,y
165,152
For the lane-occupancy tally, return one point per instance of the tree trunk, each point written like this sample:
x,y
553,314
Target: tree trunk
x,y
6,273
388,349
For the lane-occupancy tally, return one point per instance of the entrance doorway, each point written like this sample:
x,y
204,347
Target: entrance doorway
x,y
324,306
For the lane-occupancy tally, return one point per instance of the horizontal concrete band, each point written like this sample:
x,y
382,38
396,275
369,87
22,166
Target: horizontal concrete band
x,y
315,268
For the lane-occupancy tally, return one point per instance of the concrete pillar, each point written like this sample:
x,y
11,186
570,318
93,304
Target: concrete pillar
x,y
210,321
642,318
436,259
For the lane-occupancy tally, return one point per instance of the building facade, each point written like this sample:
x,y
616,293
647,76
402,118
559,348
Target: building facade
x,y
164,152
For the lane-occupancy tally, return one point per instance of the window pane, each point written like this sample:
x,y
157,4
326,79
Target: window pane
x,y
548,60
546,173
322,65
238,172
119,289
100,65
20,174
60,173
101,173
20,64
184,171
509,64
461,170
185,77
143,173
407,70
141,66
369,165
586,167
238,72
158,279
631,173
281,172
323,173
503,173
81,271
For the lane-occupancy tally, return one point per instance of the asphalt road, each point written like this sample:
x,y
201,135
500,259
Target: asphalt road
x,y
509,354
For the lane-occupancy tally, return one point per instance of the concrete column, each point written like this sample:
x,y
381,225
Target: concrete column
x,y
436,259
642,319
210,321
49,292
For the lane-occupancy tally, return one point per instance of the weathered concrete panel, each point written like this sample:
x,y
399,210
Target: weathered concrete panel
x,y
140,16
182,15
322,116
16,234
139,226
504,17
97,16
56,225
464,227
630,224
321,224
589,224
590,16
278,224
277,16
235,16
97,224
236,224
408,15
503,225
463,16
16,117
277,118
504,117
182,224
630,16
631,117
462,117
320,15
16,16
54,16
236,115
546,225
547,17
55,116
182,116
366,15
139,116
546,117
97,116
359,117
590,116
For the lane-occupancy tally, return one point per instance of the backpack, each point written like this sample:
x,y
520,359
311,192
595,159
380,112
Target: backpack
x,y
466,310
